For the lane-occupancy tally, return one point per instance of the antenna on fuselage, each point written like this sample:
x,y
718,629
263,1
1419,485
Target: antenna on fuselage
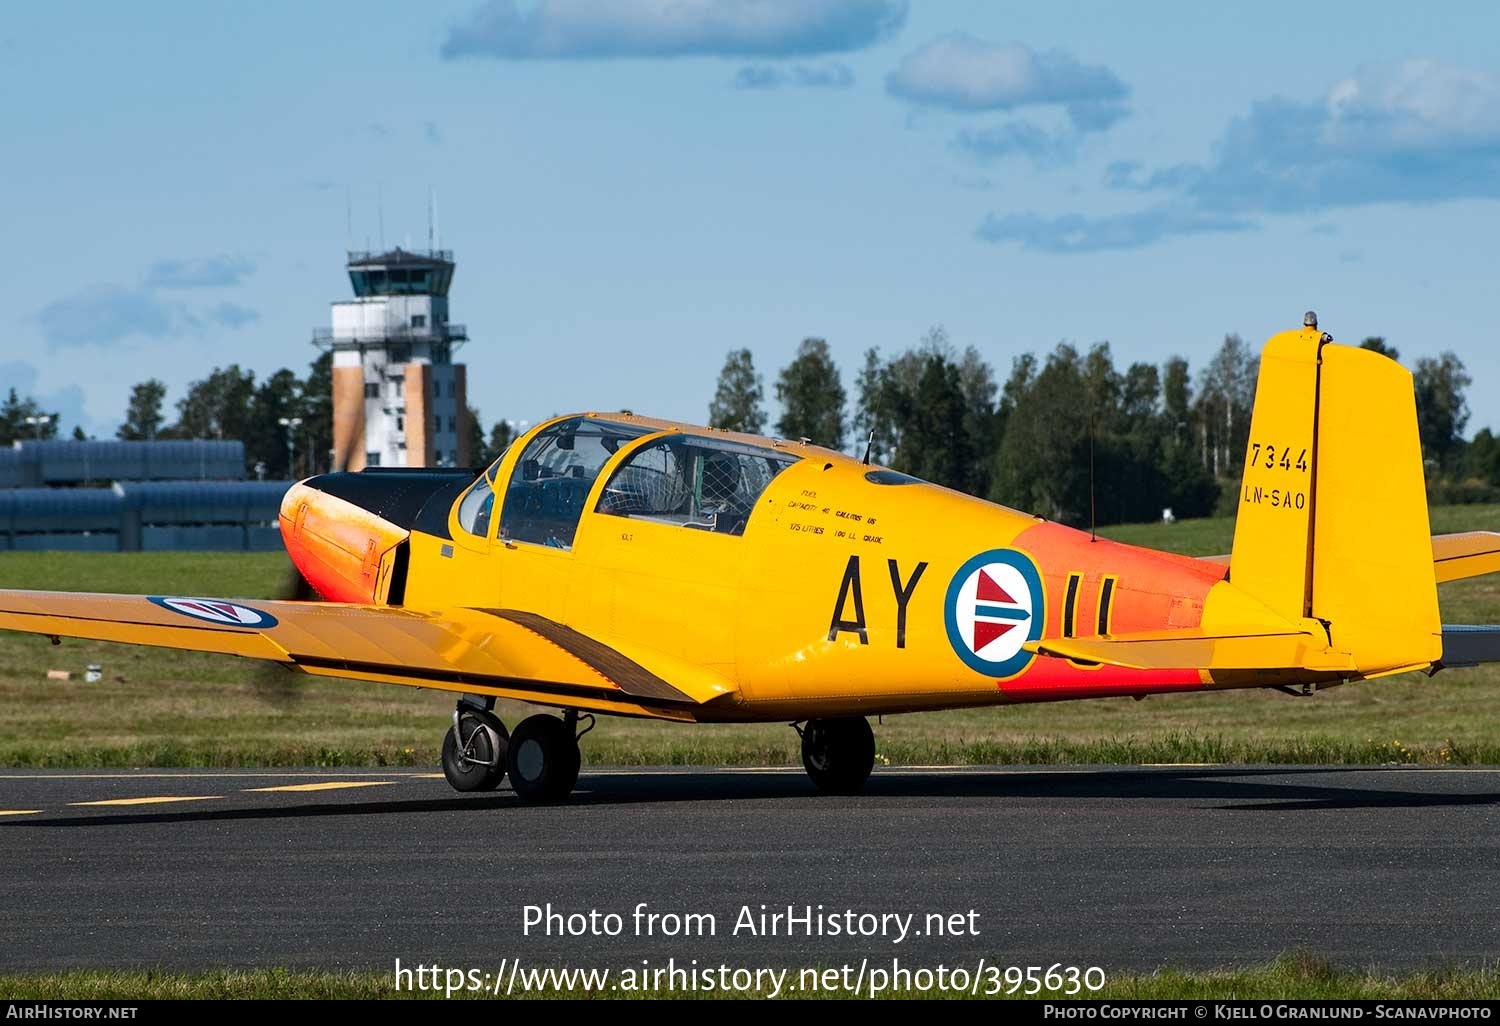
x,y
874,423
1093,491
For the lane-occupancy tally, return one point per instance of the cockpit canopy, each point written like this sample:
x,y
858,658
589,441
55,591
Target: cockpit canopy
x,y
553,477
704,483
691,481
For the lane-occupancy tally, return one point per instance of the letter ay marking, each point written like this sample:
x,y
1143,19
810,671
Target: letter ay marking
x,y
851,588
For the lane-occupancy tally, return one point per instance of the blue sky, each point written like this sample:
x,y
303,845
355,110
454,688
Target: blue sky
x,y
635,187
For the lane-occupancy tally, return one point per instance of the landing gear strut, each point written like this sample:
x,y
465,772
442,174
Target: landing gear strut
x,y
838,754
543,757
474,748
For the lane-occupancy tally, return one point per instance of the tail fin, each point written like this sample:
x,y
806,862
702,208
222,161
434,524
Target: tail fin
x,y
1333,527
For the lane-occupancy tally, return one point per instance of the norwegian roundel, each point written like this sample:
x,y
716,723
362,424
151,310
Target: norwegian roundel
x,y
218,611
994,606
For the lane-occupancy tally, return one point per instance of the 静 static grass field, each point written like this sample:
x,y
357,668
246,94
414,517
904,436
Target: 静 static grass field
x,y
163,708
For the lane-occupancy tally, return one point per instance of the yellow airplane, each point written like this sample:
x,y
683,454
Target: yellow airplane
x,y
615,564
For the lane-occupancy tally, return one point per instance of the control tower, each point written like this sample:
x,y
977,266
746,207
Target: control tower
x,y
399,400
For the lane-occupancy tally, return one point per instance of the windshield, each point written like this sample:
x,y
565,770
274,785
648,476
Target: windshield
x,y
552,478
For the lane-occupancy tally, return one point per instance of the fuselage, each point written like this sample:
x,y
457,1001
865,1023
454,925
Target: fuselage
x,y
815,584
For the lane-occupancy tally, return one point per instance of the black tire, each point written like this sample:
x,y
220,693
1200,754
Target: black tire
x,y
838,754
475,765
543,759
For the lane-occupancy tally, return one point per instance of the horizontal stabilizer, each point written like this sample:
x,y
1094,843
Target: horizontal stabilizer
x,y
1192,648
1465,645
1456,556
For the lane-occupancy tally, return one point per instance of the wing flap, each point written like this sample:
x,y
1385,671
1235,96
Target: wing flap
x,y
505,652
1248,649
1457,556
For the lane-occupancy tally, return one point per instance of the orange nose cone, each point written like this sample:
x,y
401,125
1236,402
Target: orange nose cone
x,y
338,546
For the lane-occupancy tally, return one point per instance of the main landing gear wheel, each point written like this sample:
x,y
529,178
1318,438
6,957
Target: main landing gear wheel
x,y
543,758
838,754
474,751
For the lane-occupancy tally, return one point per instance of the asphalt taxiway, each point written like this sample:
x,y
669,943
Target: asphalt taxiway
x,y
1125,868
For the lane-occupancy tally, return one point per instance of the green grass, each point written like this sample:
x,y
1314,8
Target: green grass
x,y
164,708
1294,976
1214,536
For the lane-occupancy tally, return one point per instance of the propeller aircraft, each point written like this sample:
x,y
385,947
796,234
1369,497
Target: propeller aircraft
x,y
612,564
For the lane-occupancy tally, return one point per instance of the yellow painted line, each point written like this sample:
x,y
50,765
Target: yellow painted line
x,y
218,775
154,800
19,812
326,785
427,776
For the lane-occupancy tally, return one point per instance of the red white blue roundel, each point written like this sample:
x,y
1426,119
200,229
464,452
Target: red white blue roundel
x,y
994,606
219,611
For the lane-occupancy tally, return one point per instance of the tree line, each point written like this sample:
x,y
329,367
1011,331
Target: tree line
x,y
1069,435
1156,437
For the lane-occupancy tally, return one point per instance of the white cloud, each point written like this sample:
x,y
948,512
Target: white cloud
x,y
1075,233
1412,132
583,29
1017,138
1413,104
198,273
766,76
961,73
105,314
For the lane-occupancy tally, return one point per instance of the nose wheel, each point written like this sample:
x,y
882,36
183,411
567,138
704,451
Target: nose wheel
x,y
838,754
474,750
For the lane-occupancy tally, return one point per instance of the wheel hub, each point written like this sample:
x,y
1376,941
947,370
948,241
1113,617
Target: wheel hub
x,y
530,760
470,755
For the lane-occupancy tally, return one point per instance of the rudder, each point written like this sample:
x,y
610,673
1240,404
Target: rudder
x,y
1373,578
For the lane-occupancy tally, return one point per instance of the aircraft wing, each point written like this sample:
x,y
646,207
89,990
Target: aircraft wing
x,y
502,652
